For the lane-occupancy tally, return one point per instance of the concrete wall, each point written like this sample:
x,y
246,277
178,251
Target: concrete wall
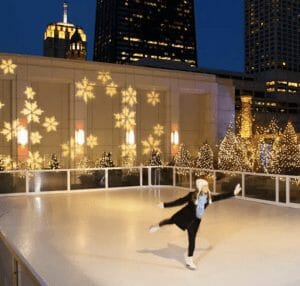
x,y
195,104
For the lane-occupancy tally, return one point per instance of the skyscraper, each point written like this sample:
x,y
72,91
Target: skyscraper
x,y
65,40
129,30
272,43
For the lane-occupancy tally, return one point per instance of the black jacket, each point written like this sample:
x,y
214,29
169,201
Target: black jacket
x,y
187,215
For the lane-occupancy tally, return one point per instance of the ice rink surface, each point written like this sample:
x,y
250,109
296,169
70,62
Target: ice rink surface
x,y
101,238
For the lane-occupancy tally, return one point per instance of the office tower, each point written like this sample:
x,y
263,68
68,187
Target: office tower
x,y
65,40
130,30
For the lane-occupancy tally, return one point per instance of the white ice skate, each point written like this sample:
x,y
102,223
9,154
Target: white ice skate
x,y
190,263
154,228
237,189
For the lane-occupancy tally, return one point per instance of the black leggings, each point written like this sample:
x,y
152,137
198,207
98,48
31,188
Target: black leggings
x,y
191,230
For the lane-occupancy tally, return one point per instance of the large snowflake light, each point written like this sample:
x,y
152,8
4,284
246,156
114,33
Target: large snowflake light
x,y
85,89
35,138
7,161
32,111
104,77
128,150
71,149
150,144
153,98
34,160
29,92
111,89
8,66
50,123
126,119
158,130
91,141
11,130
129,96
1,105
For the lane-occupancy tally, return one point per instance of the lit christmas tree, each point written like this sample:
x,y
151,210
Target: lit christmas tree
x,y
106,161
230,155
205,158
53,164
2,164
155,159
183,158
285,154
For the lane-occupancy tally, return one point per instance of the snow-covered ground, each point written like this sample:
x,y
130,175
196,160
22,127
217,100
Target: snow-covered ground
x,y
101,238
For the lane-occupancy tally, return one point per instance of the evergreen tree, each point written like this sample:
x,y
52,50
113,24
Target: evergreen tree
x,y
285,155
230,153
106,161
183,158
155,159
2,164
205,158
54,163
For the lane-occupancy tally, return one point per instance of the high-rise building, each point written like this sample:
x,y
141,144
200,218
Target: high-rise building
x,y
130,30
272,44
65,40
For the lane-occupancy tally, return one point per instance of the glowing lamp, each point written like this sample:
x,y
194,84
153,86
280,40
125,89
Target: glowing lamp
x,y
22,136
175,137
130,138
79,137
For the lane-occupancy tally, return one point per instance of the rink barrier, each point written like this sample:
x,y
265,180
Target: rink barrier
x,y
283,190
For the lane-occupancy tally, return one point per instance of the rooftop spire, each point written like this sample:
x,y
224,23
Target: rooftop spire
x,y
65,12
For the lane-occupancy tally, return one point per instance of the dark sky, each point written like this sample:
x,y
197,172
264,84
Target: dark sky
x,y
219,25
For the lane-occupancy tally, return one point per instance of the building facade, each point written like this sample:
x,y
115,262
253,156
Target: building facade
x,y
65,40
80,109
131,30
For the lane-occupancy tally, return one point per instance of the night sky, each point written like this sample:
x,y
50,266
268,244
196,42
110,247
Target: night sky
x,y
219,26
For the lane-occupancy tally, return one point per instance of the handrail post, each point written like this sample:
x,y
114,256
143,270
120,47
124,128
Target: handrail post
x,y
174,176
214,181
69,180
106,178
287,190
27,181
141,176
277,189
191,181
149,176
243,185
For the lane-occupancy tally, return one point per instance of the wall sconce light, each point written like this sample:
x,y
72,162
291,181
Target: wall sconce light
x,y
175,137
22,136
79,137
130,138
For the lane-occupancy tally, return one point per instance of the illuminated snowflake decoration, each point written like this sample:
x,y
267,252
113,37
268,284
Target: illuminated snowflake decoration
x,y
150,144
1,105
35,138
11,130
50,124
153,98
32,111
128,153
158,130
71,149
126,119
34,160
29,92
91,141
129,96
8,67
111,89
85,89
7,161
104,77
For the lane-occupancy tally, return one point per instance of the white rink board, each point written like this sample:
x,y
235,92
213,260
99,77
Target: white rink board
x,y
101,238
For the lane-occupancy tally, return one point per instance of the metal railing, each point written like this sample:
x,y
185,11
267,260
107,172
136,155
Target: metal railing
x,y
268,188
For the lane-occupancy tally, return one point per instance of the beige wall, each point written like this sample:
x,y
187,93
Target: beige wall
x,y
195,104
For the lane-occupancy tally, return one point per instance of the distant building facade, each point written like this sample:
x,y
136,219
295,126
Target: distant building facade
x,y
131,30
65,40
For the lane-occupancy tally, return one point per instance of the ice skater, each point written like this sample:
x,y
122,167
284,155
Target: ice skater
x,y
189,217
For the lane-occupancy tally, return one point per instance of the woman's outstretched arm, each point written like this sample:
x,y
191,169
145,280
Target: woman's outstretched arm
x,y
228,195
178,202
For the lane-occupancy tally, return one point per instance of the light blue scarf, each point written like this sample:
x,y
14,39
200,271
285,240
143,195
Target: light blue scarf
x,y
202,200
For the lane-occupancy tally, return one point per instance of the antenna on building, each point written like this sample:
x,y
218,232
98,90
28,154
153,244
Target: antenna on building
x,y
65,12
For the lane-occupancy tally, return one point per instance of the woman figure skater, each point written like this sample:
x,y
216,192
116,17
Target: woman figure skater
x,y
189,217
